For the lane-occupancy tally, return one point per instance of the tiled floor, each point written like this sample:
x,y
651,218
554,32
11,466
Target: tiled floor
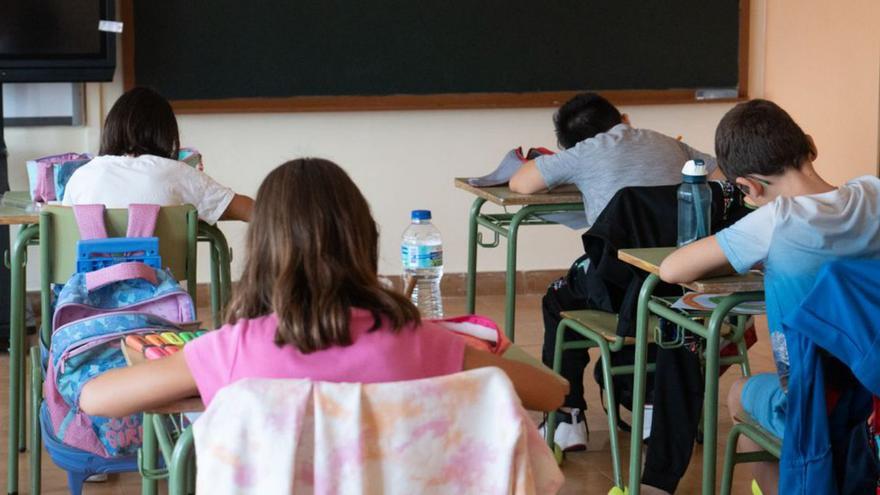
x,y
586,472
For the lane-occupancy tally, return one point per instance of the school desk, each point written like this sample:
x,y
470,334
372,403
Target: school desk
x,y
741,288
531,208
16,208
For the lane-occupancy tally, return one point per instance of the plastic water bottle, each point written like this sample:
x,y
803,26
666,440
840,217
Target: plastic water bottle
x,y
421,250
694,203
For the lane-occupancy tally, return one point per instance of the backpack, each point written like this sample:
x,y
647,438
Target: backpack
x,y
127,294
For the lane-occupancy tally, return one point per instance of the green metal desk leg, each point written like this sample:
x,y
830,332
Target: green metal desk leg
x,y
710,404
16,340
611,407
224,259
510,274
177,471
36,434
470,303
729,460
148,456
639,379
215,285
22,373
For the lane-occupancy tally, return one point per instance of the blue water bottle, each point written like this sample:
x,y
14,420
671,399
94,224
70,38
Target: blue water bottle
x,y
694,203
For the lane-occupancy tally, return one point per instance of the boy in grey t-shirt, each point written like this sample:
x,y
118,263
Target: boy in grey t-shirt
x,y
601,154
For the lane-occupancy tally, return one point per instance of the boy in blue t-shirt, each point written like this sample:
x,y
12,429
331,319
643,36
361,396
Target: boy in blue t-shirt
x,y
802,223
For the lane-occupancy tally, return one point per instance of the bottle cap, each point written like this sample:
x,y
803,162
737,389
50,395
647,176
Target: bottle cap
x,y
421,214
695,168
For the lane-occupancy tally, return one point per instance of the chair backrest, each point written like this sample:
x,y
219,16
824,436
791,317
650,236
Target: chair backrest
x,y
176,228
461,433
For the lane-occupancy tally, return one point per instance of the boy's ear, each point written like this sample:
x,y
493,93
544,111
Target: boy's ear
x,y
814,153
756,189
624,118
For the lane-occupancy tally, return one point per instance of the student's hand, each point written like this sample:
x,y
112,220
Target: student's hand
x,y
538,390
142,387
700,259
527,180
240,208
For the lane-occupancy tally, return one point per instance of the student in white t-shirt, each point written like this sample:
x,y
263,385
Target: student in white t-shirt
x,y
137,164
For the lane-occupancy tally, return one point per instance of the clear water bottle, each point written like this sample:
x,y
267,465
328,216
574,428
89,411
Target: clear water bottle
x,y
694,203
421,250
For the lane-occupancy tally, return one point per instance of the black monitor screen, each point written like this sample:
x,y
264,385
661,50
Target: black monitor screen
x,y
56,40
49,28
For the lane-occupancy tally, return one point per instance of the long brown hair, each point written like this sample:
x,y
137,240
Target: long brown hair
x,y
312,256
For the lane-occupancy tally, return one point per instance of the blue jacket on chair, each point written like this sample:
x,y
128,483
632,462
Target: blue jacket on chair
x,y
834,348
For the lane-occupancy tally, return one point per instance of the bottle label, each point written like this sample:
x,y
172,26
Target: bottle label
x,y
421,256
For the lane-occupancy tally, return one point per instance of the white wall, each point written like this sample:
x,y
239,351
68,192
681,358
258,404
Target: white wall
x,y
407,160
823,67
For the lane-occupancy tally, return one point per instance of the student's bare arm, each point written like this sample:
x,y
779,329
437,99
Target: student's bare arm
x,y
142,387
240,208
701,259
527,180
538,390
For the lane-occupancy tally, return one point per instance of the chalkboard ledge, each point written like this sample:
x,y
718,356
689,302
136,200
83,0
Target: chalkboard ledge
x,y
432,102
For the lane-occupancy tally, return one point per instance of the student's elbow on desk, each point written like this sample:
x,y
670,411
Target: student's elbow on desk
x,y
671,273
703,258
527,180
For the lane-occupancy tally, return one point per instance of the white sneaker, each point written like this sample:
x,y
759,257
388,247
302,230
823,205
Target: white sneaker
x,y
572,433
97,478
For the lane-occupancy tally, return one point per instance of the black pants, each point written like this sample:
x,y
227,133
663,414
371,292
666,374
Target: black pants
x,y
565,295
560,297
678,400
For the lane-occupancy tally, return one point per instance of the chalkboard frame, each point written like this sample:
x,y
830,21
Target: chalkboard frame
x,y
443,101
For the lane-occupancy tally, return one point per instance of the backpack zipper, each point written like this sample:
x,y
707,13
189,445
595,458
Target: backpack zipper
x,y
175,292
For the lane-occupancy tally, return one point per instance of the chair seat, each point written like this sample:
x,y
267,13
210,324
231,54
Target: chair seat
x,y
754,429
604,324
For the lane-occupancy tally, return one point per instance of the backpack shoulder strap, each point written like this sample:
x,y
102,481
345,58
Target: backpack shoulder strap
x,y
90,220
142,220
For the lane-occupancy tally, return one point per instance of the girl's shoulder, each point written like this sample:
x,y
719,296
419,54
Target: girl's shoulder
x,y
265,323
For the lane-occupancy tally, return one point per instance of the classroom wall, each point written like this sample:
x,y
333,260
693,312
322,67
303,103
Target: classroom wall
x,y
401,160
407,160
822,64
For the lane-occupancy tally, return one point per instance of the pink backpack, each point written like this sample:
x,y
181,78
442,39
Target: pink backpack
x,y
129,293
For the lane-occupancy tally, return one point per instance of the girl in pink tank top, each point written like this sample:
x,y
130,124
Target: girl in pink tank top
x,y
309,305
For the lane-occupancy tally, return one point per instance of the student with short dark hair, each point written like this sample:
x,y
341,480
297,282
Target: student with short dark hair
x,y
582,117
601,154
138,164
802,222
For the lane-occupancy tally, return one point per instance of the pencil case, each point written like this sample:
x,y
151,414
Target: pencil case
x,y
48,176
159,345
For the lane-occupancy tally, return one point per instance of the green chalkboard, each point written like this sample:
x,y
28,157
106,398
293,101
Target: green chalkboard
x,y
215,50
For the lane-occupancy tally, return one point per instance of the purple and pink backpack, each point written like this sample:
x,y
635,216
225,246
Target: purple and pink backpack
x,y
119,289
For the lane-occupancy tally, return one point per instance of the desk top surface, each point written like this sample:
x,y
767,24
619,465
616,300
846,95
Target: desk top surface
x,y
503,196
16,208
649,259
